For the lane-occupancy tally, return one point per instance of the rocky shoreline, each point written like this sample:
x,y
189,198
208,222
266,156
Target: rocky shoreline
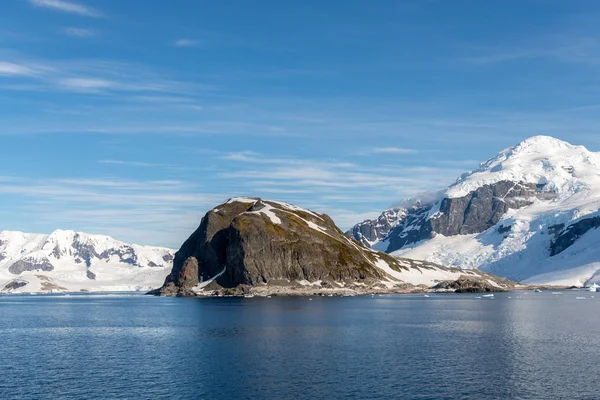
x,y
330,289
347,291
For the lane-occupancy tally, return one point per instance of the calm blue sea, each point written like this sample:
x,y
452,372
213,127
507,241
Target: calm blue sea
x,y
453,346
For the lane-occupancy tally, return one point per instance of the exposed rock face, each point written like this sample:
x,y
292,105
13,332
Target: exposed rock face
x,y
481,209
86,252
470,285
14,284
30,265
371,231
474,213
49,285
565,237
248,241
413,228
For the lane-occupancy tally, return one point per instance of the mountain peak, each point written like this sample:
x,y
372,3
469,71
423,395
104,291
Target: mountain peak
x,y
541,143
555,164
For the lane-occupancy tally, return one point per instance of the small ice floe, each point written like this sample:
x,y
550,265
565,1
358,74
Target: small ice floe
x,y
509,297
556,292
580,298
477,297
268,297
310,298
426,295
593,288
487,295
537,291
248,296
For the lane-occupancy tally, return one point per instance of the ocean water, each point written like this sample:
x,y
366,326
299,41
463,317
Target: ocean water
x,y
451,346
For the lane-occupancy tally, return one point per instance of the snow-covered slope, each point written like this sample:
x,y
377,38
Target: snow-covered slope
x,y
531,213
75,261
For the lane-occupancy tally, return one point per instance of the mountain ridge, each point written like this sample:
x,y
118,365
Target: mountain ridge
x,y
514,216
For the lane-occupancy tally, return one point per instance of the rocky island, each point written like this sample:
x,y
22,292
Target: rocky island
x,y
251,246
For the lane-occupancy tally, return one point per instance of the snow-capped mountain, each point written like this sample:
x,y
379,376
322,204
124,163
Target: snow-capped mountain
x,y
531,213
75,261
372,231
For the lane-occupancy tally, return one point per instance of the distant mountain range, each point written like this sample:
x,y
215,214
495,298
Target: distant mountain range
x,y
76,261
530,214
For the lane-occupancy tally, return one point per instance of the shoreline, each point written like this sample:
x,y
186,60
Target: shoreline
x,y
282,291
286,291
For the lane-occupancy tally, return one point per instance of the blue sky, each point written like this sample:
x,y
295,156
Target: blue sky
x,y
132,118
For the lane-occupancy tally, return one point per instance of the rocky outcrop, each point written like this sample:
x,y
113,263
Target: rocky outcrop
x,y
476,212
30,265
14,285
372,231
566,237
470,285
482,208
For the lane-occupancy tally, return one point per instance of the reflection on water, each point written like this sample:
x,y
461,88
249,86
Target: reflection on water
x,y
538,346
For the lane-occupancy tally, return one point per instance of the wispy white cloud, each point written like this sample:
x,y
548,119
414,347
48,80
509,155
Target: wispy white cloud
x,y
140,164
186,43
257,158
161,212
336,181
93,76
566,48
393,150
67,7
86,84
78,32
9,68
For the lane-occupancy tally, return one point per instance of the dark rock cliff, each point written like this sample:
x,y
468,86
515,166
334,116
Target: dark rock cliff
x,y
474,213
565,237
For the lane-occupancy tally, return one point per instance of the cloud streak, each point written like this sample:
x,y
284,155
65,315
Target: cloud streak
x,y
140,164
186,43
10,68
392,150
78,32
67,7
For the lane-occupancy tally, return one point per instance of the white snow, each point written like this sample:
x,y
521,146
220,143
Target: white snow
x,y
429,276
564,168
241,200
202,285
